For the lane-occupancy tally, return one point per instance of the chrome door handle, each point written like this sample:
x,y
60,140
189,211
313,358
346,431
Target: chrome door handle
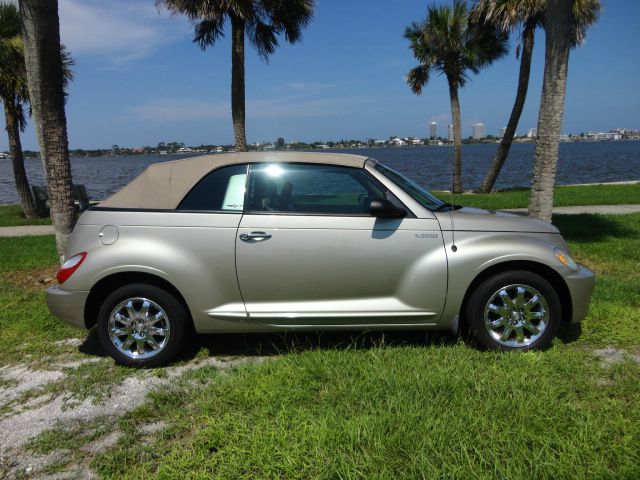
x,y
247,237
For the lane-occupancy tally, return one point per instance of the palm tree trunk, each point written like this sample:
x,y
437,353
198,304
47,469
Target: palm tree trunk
x,y
557,25
457,138
41,34
237,83
17,160
521,95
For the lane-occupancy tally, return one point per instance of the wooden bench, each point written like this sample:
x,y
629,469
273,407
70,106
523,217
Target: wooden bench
x,y
41,198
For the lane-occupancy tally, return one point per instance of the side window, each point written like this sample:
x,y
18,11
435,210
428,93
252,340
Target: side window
x,y
221,189
311,189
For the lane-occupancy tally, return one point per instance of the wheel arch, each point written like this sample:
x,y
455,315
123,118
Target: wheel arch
x,y
544,271
106,285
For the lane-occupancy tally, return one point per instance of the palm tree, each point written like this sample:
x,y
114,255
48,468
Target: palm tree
x,y
526,16
451,44
508,15
260,20
44,65
13,94
560,27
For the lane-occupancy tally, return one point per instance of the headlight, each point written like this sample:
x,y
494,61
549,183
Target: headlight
x,y
565,259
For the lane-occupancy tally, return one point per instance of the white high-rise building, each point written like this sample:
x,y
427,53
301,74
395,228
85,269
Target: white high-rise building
x,y
503,131
478,131
433,130
450,133
532,133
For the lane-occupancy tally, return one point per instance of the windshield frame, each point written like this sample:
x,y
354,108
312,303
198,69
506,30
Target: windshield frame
x,y
419,194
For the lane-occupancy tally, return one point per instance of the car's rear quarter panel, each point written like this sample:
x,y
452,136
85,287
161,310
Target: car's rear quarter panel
x,y
195,252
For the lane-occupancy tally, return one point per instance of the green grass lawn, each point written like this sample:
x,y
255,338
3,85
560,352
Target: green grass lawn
x,y
390,405
11,215
563,196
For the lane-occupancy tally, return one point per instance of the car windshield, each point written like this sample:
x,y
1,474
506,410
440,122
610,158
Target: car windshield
x,y
419,194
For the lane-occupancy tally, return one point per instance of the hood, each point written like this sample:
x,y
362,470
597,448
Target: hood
x,y
480,220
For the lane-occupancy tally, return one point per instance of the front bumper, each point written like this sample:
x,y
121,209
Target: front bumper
x,y
66,305
580,286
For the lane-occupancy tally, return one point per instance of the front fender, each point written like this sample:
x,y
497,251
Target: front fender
x,y
478,251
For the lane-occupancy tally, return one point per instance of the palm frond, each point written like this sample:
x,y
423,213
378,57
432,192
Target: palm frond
x,y
263,37
451,42
417,78
206,32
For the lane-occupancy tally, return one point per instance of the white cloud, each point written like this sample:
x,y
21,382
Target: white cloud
x,y
308,87
118,29
180,109
185,109
441,118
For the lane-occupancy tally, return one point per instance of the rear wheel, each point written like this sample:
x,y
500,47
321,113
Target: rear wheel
x,y
142,325
517,310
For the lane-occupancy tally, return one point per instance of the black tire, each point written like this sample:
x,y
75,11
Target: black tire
x,y
474,312
177,318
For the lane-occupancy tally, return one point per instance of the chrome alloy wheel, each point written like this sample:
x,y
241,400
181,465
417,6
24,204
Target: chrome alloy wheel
x,y
516,315
139,328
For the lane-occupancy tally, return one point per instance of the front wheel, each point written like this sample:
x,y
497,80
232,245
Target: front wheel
x,y
142,325
516,310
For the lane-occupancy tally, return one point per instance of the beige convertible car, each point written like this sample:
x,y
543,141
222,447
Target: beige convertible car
x,y
257,242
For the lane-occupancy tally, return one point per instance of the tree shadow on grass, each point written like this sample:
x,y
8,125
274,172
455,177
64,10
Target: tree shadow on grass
x,y
587,228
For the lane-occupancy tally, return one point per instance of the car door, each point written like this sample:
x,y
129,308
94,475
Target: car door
x,y
308,252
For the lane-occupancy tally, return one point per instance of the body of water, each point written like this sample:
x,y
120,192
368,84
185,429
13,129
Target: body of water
x,y
583,162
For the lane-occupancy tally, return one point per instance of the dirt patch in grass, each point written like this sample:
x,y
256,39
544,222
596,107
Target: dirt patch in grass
x,y
611,356
52,435
32,279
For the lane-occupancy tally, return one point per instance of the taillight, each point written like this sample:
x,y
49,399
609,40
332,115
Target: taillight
x,y
70,266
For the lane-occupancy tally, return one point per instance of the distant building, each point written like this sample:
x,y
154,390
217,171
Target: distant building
x,y
433,130
503,130
602,136
398,142
532,133
478,131
450,133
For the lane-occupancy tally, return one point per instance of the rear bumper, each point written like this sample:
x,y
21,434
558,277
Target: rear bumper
x,y
580,286
68,306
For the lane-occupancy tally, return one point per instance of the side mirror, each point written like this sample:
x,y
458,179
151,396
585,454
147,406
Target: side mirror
x,y
382,208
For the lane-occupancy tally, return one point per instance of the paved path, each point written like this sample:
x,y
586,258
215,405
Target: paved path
x,y
609,209
34,230
26,231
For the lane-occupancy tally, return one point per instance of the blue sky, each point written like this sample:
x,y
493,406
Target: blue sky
x,y
140,80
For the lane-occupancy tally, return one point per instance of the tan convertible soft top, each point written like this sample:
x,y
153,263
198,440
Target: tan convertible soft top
x,y
164,185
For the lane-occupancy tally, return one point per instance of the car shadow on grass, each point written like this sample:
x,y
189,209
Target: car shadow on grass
x,y
587,228
272,344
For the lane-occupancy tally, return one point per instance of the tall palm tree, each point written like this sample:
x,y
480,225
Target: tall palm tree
x,y
525,16
450,43
560,28
260,20
43,60
13,94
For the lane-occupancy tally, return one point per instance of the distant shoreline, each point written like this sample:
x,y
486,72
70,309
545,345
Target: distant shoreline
x,y
315,146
